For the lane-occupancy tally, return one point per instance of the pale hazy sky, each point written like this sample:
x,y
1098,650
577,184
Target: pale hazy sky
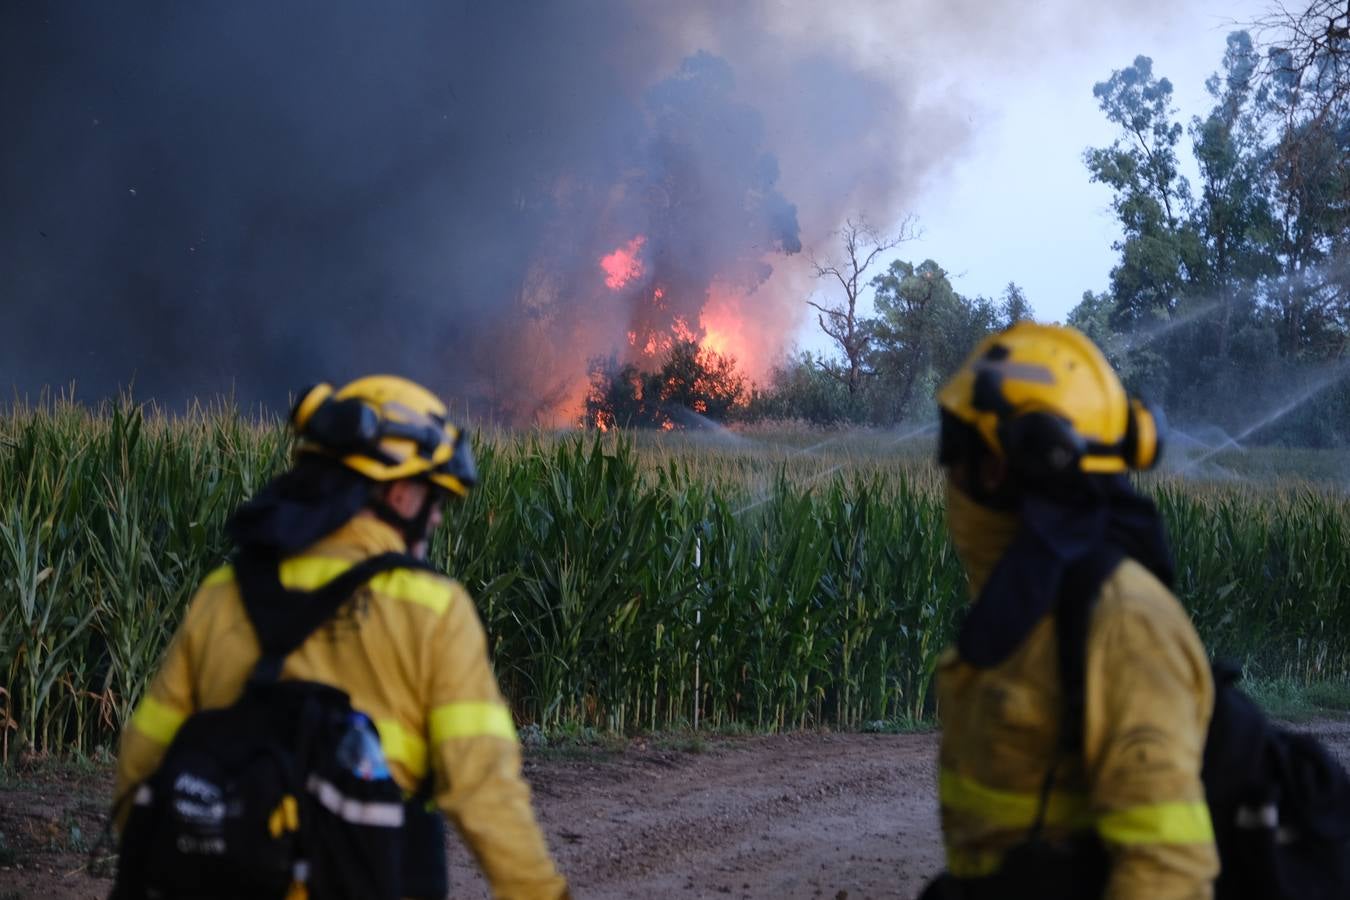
x,y
1018,205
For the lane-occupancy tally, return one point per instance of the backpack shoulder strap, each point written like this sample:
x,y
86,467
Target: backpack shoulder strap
x,y
1077,598
1078,595
284,619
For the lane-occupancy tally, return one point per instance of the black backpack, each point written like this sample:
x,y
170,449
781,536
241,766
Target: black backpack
x,y
284,794
1279,802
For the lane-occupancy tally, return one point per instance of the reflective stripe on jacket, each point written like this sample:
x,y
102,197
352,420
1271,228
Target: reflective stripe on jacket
x,y
1148,698
411,652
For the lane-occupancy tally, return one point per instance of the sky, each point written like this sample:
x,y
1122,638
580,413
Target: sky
x,y
190,189
1018,204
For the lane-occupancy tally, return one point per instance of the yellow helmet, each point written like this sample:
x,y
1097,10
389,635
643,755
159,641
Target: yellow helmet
x,y
1045,398
387,428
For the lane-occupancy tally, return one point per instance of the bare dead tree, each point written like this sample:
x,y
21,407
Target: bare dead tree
x,y
1310,47
862,244
1307,51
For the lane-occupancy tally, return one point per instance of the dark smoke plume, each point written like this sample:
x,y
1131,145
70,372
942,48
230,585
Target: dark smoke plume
x,y
243,197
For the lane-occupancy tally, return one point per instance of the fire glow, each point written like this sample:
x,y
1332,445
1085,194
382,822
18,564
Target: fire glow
x,y
624,264
722,326
723,321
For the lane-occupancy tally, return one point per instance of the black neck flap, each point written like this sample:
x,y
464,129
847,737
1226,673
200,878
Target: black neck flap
x,y
1089,536
295,509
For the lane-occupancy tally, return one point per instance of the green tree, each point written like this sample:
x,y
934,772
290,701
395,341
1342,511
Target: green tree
x,y
1092,316
1232,219
1151,196
922,332
1222,300
1308,105
800,388
1142,369
1014,306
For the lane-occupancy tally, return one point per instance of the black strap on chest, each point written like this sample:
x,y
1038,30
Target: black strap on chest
x,y
1073,614
284,619
1078,593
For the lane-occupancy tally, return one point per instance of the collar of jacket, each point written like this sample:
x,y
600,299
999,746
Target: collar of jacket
x,y
364,533
1025,583
981,535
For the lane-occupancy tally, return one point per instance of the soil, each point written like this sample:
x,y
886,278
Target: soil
x,y
791,817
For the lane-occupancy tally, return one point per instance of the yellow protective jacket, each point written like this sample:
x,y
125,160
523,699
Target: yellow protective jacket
x,y
417,665
1148,699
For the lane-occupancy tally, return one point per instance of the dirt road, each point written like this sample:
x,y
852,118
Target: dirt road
x,y
787,817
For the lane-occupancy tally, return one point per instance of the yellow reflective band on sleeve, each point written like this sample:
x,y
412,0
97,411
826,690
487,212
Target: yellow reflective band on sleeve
x,y
222,575
402,746
157,721
1010,809
1158,823
465,720
415,586
307,573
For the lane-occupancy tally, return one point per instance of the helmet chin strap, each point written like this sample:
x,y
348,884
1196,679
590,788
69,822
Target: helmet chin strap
x,y
414,527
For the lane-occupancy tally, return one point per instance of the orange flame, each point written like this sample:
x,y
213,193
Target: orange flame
x,y
745,326
680,328
727,331
623,265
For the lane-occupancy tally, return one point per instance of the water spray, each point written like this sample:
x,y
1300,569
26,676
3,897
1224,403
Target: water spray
x,y
905,436
915,433
1146,336
767,496
1307,393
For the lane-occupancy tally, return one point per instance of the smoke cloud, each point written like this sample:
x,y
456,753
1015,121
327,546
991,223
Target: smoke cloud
x,y
245,197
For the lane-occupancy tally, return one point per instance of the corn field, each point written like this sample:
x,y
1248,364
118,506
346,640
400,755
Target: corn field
x,y
624,582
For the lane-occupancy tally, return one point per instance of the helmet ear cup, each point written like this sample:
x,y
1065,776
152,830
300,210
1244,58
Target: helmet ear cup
x,y
1040,445
1143,442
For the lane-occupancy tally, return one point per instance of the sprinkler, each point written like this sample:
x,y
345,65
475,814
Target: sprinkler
x,y
698,620
1293,403
765,496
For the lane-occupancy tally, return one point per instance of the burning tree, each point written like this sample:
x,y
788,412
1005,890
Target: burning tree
x,y
693,384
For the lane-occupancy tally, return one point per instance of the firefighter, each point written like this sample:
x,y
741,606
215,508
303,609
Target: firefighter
x,y
1046,792
375,462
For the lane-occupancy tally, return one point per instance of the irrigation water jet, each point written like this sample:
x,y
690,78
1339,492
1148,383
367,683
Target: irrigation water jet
x,y
702,425
765,496
1142,338
1303,396
914,433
